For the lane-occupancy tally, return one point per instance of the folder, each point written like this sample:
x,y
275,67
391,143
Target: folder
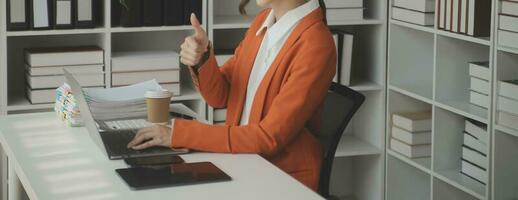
x,y
87,13
192,6
63,14
17,15
152,12
41,14
174,12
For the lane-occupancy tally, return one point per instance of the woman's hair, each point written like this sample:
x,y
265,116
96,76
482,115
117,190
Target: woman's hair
x,y
243,3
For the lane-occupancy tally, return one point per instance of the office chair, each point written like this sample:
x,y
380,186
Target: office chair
x,y
339,107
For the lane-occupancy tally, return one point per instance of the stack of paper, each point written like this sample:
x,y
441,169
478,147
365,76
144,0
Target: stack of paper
x,y
474,151
343,10
411,134
66,107
120,102
479,84
420,12
508,24
508,103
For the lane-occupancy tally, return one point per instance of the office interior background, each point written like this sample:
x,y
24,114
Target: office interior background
x,y
448,63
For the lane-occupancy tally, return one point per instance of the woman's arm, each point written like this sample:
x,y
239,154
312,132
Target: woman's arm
x,y
298,99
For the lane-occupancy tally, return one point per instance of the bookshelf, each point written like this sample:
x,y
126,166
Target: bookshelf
x,y
359,166
427,70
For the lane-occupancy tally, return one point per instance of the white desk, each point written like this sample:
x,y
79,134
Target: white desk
x,y
54,162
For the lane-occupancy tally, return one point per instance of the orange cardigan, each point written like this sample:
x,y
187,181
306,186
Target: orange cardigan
x,y
285,107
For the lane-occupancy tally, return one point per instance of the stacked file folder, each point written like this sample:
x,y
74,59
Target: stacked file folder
x,y
475,162
508,24
344,43
411,134
44,69
66,107
507,106
139,66
479,74
340,10
420,12
470,17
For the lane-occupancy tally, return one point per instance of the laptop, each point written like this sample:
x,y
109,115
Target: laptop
x,y
114,141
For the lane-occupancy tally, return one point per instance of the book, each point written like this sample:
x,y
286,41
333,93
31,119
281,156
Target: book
x,y
480,85
455,16
89,13
420,5
441,14
508,88
463,17
508,23
479,18
413,121
508,105
346,57
63,14
59,56
58,70
477,130
475,157
475,144
416,151
474,172
344,4
18,14
54,81
479,99
480,70
507,119
145,61
448,15
411,138
508,39
341,14
414,17
509,8
173,12
152,12
161,76
173,88
41,14
220,114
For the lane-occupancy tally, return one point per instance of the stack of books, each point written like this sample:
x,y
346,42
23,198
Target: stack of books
x,y
411,134
470,17
420,12
508,23
44,70
340,10
139,66
474,151
66,107
479,84
344,49
508,104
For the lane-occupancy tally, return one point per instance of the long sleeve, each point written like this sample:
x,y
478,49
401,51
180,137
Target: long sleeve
x,y
303,91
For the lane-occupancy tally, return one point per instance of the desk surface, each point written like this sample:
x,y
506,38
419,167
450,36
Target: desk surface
x,y
58,162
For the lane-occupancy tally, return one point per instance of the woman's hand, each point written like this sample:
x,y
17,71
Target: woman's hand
x,y
195,45
156,135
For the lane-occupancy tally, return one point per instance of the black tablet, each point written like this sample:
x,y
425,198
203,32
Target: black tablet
x,y
148,177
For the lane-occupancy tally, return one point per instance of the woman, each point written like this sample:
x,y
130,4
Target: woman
x,y
272,87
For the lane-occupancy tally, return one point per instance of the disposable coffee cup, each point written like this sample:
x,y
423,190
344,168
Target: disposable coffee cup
x,y
158,102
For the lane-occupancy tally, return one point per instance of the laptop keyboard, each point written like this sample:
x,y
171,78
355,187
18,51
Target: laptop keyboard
x,y
117,141
127,124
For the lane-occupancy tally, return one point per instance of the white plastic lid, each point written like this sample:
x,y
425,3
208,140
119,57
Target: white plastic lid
x,y
158,94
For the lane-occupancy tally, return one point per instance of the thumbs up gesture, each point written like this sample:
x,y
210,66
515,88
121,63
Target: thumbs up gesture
x,y
195,45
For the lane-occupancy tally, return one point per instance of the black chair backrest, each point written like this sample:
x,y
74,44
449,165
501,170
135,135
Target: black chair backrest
x,y
339,107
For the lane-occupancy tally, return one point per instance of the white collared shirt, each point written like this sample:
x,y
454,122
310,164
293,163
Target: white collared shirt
x,y
276,35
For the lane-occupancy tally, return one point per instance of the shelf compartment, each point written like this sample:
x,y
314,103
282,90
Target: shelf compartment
x,y
55,32
147,41
423,164
352,146
428,29
405,182
452,75
465,109
228,38
411,58
442,190
448,138
505,165
351,173
482,41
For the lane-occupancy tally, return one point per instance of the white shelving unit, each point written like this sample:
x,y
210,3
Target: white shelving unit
x,y
359,169
428,70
